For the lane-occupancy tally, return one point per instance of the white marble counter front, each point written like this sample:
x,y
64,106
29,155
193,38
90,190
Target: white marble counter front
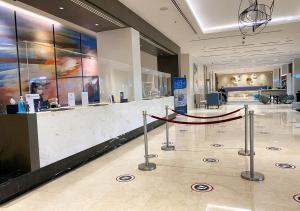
x,y
65,133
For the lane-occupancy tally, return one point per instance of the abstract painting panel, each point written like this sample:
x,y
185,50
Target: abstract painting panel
x,y
9,79
89,57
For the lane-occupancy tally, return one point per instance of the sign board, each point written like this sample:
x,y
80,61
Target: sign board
x,y
180,94
30,100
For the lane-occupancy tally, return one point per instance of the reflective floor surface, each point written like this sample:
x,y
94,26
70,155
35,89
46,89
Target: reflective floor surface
x,y
203,173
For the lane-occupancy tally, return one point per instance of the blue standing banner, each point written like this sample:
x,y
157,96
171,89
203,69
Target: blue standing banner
x,y
180,94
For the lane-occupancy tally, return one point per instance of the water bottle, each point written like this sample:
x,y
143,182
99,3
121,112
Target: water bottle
x,y
21,105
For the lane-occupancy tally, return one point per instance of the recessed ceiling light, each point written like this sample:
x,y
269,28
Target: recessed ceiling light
x,y
164,8
61,8
96,24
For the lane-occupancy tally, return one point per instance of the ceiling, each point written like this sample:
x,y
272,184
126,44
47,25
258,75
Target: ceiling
x,y
207,29
90,17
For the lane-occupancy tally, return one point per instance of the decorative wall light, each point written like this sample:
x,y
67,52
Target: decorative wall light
x,y
254,76
254,15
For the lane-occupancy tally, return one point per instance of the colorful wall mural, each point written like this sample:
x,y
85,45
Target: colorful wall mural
x,y
9,76
53,60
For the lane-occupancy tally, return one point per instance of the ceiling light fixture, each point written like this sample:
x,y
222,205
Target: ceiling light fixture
x,y
254,15
205,28
96,24
164,8
61,8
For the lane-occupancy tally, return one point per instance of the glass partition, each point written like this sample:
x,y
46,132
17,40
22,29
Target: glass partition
x,y
166,84
116,81
37,69
155,84
69,75
42,74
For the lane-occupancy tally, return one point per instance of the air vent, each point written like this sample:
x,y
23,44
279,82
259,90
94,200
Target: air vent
x,y
98,13
183,15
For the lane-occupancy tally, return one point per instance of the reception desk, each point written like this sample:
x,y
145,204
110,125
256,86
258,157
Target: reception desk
x,y
47,144
54,136
62,134
273,92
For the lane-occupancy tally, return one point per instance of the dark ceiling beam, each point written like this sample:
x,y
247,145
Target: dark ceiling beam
x,y
124,14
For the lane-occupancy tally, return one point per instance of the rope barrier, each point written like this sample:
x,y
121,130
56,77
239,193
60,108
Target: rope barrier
x,y
196,123
207,117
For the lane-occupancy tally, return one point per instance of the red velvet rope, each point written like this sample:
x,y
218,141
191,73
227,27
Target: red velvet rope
x,y
207,117
195,123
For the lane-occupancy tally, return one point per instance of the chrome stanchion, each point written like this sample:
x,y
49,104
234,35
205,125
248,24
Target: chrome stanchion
x,y
146,166
167,147
252,175
246,152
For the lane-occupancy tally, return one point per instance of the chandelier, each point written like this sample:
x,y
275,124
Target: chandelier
x,y
254,15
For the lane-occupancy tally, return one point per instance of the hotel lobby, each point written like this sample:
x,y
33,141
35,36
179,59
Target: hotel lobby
x,y
150,105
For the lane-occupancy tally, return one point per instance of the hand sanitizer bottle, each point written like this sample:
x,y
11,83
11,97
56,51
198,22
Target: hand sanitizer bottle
x,y
21,105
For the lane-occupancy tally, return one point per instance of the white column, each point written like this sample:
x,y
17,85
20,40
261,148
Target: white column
x,y
136,63
276,78
187,70
296,76
120,64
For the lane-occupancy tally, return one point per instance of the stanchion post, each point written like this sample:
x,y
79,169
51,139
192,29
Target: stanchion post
x,y
246,152
147,166
167,147
252,175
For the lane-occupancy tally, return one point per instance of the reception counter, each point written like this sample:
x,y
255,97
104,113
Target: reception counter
x,y
62,134
273,92
47,144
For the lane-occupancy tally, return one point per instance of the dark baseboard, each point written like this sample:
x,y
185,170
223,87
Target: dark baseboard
x,y
26,182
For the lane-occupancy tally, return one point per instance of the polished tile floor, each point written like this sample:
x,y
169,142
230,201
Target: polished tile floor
x,y
94,185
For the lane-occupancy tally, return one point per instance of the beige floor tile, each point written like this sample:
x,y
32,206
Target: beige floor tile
x,y
94,186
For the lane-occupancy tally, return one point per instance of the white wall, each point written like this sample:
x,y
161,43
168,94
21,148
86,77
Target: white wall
x,y
284,69
187,68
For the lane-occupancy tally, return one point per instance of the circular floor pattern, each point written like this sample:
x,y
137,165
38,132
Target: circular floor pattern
x,y
217,145
297,198
285,166
201,187
273,148
210,160
125,178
